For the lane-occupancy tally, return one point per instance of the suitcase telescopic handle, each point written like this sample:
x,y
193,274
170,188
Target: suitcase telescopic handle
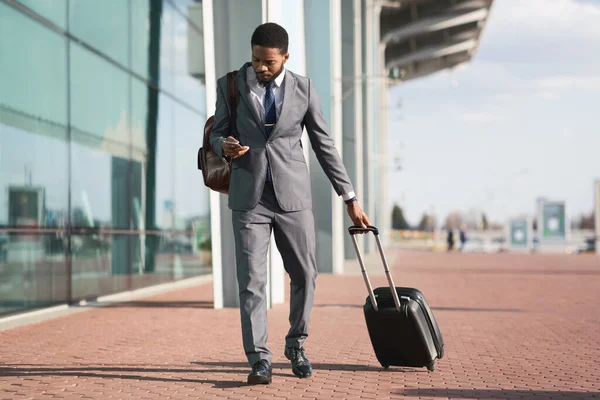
x,y
353,230
358,229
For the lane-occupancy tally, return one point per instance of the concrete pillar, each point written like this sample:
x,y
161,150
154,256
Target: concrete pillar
x,y
225,23
384,216
597,214
289,14
322,21
214,198
352,106
371,114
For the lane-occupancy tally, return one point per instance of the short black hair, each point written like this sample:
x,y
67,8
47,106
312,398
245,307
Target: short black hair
x,y
272,36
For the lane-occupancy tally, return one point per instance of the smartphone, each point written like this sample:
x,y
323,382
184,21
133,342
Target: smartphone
x,y
234,143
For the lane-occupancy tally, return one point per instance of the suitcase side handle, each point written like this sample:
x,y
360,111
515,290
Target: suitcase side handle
x,y
353,230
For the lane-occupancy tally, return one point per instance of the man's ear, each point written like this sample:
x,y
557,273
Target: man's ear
x,y
286,56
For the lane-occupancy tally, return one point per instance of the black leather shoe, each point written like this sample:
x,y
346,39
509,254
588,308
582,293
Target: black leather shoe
x,y
261,373
300,365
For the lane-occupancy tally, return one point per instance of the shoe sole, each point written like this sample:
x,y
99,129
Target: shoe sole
x,y
298,374
259,380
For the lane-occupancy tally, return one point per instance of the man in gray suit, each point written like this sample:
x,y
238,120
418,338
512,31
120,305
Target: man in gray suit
x,y
270,190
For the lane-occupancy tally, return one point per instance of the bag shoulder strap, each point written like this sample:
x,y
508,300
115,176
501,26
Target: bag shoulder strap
x,y
233,97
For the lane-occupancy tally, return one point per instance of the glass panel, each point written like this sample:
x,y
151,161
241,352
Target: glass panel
x,y
188,50
33,109
168,257
142,96
101,264
153,115
295,27
99,100
32,270
165,166
103,25
167,48
54,10
98,188
191,207
33,182
100,142
140,36
32,70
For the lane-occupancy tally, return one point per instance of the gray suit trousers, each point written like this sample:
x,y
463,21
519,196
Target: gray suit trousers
x,y
295,238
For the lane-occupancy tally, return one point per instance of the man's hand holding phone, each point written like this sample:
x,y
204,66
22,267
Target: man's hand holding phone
x,y
233,149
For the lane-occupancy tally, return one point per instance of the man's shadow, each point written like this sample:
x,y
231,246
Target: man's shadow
x,y
138,373
316,367
132,373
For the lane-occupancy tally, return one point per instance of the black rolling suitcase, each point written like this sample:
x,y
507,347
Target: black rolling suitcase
x,y
402,327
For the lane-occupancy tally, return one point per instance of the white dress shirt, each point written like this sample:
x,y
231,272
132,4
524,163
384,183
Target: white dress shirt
x,y
257,93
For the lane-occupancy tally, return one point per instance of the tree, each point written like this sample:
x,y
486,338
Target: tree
x,y
426,223
454,220
586,222
484,222
398,220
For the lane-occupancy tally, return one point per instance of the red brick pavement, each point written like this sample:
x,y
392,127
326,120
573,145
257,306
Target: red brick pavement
x,y
515,326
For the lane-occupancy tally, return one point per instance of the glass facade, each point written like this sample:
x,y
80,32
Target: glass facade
x,y
102,109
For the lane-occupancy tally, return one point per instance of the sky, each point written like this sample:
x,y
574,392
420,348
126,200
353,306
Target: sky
x,y
520,121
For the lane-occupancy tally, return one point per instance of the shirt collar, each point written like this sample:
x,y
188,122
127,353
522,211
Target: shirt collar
x,y
279,79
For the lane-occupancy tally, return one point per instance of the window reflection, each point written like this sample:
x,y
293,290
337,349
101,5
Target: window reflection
x,y
99,102
32,91
55,11
103,25
32,270
165,162
174,255
138,210
188,60
140,32
191,197
100,264
167,48
34,179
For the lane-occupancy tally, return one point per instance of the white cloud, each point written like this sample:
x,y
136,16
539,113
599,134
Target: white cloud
x,y
553,15
478,116
547,96
568,133
566,82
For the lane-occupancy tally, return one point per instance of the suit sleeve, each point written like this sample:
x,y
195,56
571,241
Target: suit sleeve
x,y
220,128
324,146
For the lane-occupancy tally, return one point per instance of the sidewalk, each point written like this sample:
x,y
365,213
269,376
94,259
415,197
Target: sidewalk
x,y
515,326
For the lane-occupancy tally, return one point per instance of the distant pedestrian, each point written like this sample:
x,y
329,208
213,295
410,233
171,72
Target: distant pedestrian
x,y
463,238
450,240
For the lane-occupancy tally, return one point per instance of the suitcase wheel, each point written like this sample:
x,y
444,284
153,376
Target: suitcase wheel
x,y
431,366
385,366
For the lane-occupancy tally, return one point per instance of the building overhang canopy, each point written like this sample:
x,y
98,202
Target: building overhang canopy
x,y
425,36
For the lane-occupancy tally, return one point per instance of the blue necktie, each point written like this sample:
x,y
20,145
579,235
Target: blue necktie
x,y
270,116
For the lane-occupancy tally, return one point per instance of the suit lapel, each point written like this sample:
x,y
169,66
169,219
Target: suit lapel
x,y
245,96
289,83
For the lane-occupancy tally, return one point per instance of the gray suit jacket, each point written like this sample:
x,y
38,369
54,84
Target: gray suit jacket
x,y
282,150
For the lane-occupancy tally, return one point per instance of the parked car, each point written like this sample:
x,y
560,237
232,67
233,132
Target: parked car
x,y
478,245
589,246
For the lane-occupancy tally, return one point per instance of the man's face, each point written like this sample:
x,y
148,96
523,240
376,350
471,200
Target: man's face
x,y
267,62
